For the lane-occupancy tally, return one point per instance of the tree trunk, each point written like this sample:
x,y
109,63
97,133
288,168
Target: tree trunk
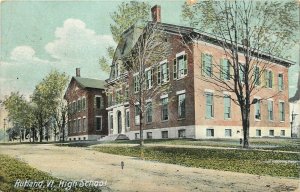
x,y
246,124
41,134
33,135
141,134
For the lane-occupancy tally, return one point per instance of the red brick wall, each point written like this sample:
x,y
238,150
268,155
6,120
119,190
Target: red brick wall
x,y
74,92
201,85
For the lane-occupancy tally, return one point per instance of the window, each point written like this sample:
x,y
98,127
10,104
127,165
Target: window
x,y
74,124
126,94
83,103
136,83
78,105
149,79
164,134
181,133
84,124
210,133
269,78
119,96
241,72
180,67
137,135
206,65
181,106
209,111
74,107
127,118
137,114
109,99
282,133
111,121
256,76
257,110
258,132
98,102
227,107
98,123
149,135
280,82
271,132
281,111
225,69
270,110
77,125
164,109
84,138
164,68
149,112
228,132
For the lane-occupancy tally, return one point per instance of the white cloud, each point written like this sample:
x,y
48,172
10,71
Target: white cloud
x,y
75,43
25,54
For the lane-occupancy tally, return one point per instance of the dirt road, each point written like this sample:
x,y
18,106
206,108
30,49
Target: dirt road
x,y
137,175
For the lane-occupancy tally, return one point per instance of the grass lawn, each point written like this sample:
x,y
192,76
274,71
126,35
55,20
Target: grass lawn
x,y
257,143
244,161
11,170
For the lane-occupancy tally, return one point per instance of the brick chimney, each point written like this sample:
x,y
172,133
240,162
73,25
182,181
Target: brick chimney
x,y
77,72
155,12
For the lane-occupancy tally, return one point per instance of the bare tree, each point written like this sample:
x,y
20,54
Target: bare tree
x,y
252,31
142,63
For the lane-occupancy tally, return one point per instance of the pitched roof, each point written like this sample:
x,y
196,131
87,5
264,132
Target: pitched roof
x,y
132,33
90,83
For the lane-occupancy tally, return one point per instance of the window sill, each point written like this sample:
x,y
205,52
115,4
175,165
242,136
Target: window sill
x,y
163,121
182,77
148,123
257,119
281,121
181,119
209,118
227,119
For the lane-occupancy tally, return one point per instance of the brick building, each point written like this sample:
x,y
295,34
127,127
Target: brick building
x,y
192,108
87,117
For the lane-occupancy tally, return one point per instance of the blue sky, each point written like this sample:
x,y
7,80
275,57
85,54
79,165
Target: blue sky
x,y
37,36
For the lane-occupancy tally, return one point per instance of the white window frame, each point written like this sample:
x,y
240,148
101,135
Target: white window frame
x,y
149,81
212,105
212,132
272,101
127,118
79,125
281,88
281,116
230,132
181,114
255,108
167,77
97,116
163,107
84,124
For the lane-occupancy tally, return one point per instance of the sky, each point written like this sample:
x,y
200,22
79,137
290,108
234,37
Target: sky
x,y
38,36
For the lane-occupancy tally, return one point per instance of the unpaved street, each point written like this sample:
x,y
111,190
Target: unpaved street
x,y
137,175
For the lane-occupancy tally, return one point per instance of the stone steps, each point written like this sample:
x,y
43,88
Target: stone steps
x,y
114,137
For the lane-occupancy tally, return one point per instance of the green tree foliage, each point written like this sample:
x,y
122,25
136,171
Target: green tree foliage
x,y
128,13
47,96
245,29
